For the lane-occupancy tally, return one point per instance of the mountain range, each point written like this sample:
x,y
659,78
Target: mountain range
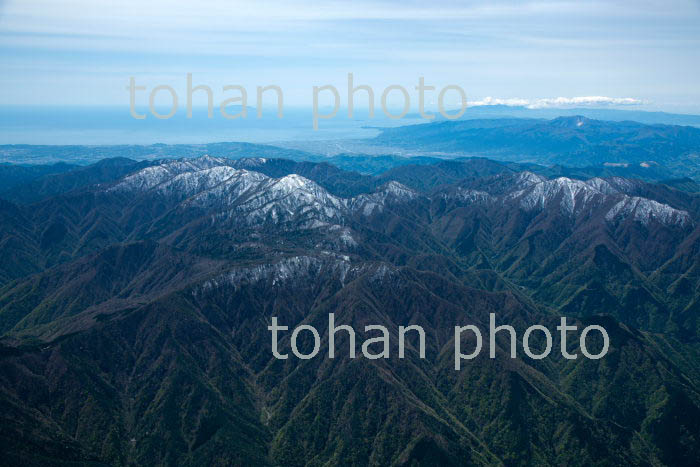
x,y
474,112
573,141
575,146
135,299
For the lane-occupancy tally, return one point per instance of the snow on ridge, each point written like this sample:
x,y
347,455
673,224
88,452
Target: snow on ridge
x,y
285,269
292,182
294,268
473,196
144,179
212,182
206,161
393,191
578,194
527,178
622,185
645,210
282,198
602,185
574,194
190,183
167,169
398,191
228,192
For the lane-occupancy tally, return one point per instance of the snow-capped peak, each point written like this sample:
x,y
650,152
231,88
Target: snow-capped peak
x,y
292,182
573,194
215,183
526,179
645,210
602,185
291,196
190,183
150,177
389,192
206,161
221,184
398,191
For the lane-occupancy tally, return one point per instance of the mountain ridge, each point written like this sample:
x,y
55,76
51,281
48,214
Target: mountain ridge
x,y
139,334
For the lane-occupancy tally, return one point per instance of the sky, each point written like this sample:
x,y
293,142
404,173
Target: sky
x,y
641,54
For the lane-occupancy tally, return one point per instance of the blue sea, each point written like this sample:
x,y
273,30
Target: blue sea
x,y
115,125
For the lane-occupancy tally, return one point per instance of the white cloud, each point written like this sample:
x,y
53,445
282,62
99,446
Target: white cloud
x,y
553,102
514,102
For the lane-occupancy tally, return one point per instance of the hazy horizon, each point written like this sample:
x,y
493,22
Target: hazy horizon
x,y
539,53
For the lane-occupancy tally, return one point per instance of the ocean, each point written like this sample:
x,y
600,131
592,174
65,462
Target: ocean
x,y
115,125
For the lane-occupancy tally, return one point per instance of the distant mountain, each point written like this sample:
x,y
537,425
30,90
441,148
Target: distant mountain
x,y
134,306
12,175
573,146
89,154
615,115
76,177
571,141
684,184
